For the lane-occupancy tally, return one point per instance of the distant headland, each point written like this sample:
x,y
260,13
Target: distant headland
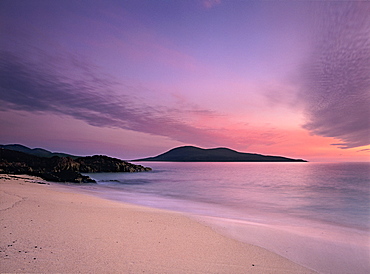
x,y
59,167
196,154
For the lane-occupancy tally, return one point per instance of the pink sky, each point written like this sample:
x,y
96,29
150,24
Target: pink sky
x,y
136,78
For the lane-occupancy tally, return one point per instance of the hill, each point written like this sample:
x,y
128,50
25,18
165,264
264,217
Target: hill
x,y
196,154
40,152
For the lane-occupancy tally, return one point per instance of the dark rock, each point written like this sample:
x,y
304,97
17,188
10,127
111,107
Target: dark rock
x,y
64,163
101,163
66,176
62,169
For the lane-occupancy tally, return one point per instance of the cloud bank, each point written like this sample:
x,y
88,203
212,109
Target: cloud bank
x,y
336,89
68,85
72,88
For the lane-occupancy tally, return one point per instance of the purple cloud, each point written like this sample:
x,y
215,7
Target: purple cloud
x,y
73,88
337,77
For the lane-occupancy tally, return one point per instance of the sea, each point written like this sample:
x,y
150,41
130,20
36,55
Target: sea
x,y
316,214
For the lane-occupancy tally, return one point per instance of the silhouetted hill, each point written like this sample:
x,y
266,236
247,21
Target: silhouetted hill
x,y
196,154
36,151
62,169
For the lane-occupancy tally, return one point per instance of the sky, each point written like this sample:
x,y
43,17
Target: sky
x,y
135,78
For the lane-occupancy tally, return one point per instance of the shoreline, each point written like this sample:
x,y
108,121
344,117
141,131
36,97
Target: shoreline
x,y
323,252
46,228
325,247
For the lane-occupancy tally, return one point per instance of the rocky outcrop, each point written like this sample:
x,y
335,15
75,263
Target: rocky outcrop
x,y
101,163
65,176
62,169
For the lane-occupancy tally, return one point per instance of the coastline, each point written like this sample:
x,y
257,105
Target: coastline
x,y
322,247
46,228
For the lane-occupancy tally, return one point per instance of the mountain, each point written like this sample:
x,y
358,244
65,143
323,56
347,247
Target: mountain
x,y
62,169
36,151
196,154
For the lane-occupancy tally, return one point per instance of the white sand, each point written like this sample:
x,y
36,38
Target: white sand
x,y
45,228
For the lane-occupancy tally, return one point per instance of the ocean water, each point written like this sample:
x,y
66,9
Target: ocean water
x,y
325,204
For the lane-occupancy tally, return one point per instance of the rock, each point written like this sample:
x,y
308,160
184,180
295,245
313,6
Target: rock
x,y
64,163
101,163
62,169
66,176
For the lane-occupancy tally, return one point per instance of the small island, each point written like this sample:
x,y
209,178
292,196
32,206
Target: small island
x,y
196,154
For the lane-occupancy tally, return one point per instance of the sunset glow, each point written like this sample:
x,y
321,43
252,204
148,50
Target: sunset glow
x,y
132,79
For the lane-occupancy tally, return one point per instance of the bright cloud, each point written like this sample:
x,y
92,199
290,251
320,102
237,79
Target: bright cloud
x,y
336,89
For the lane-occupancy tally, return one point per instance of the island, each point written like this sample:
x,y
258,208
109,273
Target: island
x,y
196,154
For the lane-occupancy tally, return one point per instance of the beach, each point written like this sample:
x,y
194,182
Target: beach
x,y
47,228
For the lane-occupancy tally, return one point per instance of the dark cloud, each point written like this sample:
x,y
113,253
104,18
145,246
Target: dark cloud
x,y
337,77
72,88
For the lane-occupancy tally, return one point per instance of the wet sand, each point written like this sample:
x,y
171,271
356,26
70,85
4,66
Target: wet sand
x,y
46,228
